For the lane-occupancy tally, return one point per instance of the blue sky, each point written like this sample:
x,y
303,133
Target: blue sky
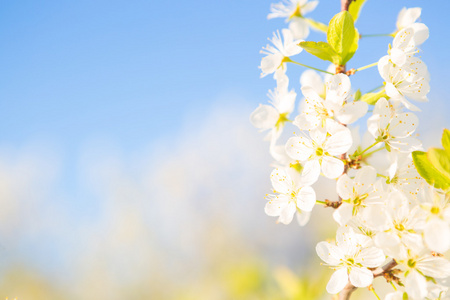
x,y
131,70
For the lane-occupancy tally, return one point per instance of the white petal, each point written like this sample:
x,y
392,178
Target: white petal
x,y
338,281
310,173
275,205
299,28
343,214
352,111
264,117
306,198
332,167
437,235
371,257
329,253
312,79
339,142
415,285
398,56
360,277
421,33
271,63
303,217
434,266
287,214
281,181
338,88
405,145
408,16
403,125
365,178
345,187
299,148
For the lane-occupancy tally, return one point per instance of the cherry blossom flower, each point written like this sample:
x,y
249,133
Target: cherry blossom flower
x,y
437,227
393,129
291,8
317,110
406,41
293,194
276,54
319,149
350,257
408,81
357,193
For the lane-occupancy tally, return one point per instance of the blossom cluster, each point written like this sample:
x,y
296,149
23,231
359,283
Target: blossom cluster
x,y
387,215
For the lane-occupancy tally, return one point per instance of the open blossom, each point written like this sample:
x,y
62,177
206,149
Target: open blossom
x,y
406,41
293,194
437,213
400,232
350,257
319,150
286,47
357,193
418,266
274,116
410,80
403,175
317,110
394,129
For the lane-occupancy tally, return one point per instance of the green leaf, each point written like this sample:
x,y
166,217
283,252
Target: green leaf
x,y
353,48
317,25
429,172
446,140
372,98
440,160
320,49
358,95
341,35
355,8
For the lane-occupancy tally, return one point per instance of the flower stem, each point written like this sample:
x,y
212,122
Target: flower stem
x,y
393,285
321,202
368,148
373,90
366,67
373,291
374,151
287,59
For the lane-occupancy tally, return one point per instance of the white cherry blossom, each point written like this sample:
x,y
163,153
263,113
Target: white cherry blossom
x,y
282,48
410,80
357,193
418,266
293,193
319,150
317,110
350,257
274,116
437,212
406,41
400,227
393,129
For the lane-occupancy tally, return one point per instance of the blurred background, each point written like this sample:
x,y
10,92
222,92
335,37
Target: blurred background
x,y
128,165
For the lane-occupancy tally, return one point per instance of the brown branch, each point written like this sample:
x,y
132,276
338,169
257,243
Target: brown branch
x,y
350,288
345,4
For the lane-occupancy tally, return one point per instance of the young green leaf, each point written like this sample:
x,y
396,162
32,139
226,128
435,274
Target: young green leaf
x,y
372,98
353,48
320,49
355,8
440,160
429,172
357,94
341,35
446,140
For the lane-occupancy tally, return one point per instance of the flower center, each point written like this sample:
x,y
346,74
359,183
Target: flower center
x,y
319,151
435,210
